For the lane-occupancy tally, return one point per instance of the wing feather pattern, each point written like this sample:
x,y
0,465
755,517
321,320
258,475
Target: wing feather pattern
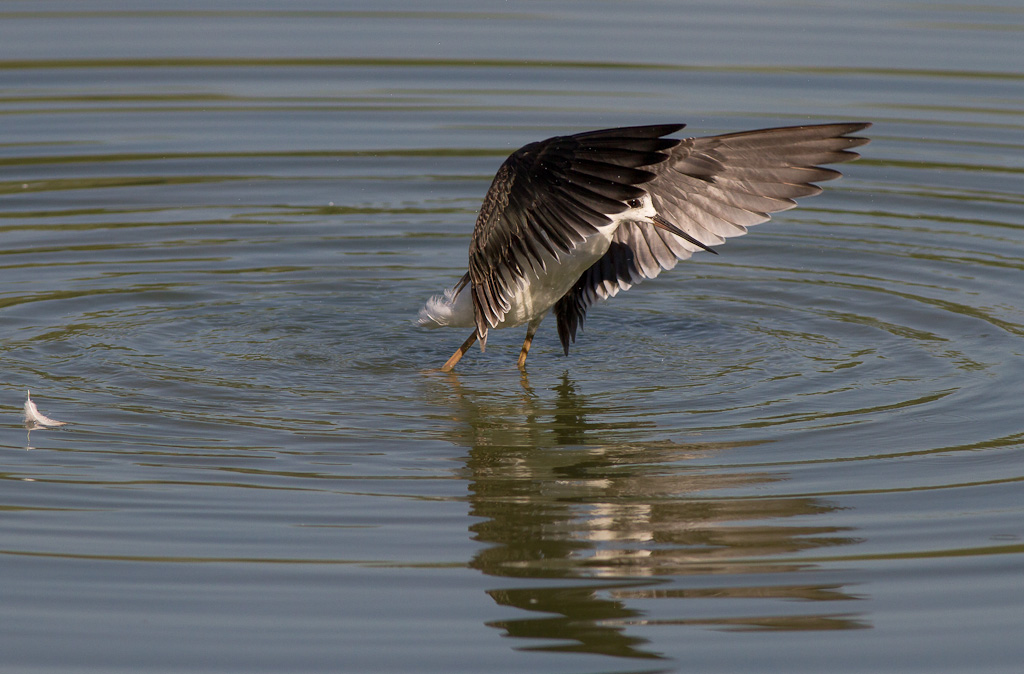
x,y
547,198
712,189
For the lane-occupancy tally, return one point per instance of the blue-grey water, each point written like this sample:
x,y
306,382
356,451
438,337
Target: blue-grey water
x,y
217,223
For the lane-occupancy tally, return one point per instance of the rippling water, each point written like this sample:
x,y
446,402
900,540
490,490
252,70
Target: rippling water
x,y
218,224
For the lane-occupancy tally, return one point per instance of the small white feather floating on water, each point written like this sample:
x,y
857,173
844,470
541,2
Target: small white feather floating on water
x,y
34,418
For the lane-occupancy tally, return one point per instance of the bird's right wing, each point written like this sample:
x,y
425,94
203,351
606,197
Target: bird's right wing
x,y
711,188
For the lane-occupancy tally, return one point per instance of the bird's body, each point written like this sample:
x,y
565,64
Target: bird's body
x,y
546,283
574,219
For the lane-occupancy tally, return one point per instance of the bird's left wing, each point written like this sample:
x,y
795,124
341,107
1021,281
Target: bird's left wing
x,y
547,198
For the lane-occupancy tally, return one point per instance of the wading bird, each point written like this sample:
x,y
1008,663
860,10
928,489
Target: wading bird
x,y
574,219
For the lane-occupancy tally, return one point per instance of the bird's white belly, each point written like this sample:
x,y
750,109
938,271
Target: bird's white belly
x,y
538,289
541,289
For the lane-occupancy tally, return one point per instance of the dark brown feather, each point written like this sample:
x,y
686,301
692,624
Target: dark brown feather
x,y
549,196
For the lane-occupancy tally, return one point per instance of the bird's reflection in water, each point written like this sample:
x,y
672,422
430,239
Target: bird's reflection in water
x,y
613,526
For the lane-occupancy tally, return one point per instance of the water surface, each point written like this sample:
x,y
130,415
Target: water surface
x,y
218,224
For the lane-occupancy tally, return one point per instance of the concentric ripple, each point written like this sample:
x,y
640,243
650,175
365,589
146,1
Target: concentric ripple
x,y
211,266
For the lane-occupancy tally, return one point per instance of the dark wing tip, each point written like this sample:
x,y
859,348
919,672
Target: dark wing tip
x,y
857,126
800,132
645,131
854,141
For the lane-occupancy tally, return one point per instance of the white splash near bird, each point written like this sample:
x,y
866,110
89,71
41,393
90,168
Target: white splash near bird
x,y
34,418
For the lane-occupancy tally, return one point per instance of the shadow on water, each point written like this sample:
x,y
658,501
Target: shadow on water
x,y
562,497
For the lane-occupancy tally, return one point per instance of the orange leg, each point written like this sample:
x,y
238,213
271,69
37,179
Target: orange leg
x,y
457,356
531,330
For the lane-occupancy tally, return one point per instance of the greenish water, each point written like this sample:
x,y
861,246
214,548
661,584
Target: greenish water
x,y
217,226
